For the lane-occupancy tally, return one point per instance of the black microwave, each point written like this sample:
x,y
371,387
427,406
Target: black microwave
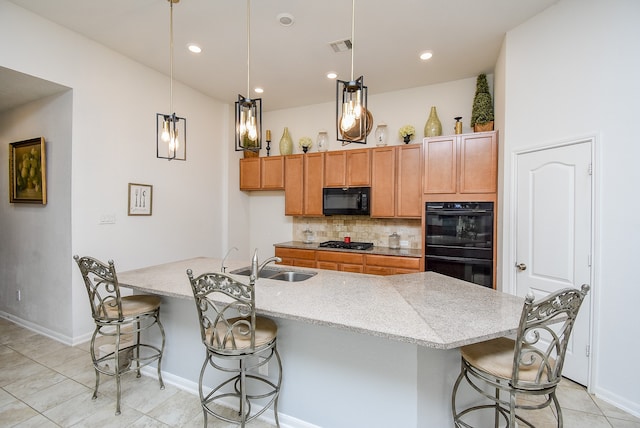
x,y
345,200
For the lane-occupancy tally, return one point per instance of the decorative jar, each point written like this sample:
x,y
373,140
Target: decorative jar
x,y
381,134
322,141
394,241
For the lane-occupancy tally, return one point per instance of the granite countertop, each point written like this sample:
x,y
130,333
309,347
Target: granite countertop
x,y
384,251
428,309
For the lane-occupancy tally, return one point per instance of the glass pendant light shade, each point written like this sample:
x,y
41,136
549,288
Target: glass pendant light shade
x,y
248,124
171,137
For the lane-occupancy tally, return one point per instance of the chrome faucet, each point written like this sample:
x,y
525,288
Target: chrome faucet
x,y
257,268
223,268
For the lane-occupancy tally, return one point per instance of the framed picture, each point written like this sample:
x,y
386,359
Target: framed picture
x,y
27,172
140,199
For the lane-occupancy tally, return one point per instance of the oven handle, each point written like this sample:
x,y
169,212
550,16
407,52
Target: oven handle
x,y
468,260
457,212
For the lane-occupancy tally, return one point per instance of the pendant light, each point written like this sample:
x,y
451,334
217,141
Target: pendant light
x,y
171,130
248,111
352,117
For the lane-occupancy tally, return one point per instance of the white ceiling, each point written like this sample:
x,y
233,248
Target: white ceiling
x,y
290,63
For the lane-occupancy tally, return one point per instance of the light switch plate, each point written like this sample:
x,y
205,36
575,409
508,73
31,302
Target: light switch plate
x,y
107,219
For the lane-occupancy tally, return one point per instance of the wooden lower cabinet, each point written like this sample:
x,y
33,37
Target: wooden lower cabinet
x,y
297,257
349,262
391,265
336,260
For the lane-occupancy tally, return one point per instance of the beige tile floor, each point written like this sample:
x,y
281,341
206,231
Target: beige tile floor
x,y
44,383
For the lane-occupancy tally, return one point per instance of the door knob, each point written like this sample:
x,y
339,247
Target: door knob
x,y
521,266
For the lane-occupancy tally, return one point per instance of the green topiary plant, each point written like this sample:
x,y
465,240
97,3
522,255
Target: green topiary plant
x,y
482,111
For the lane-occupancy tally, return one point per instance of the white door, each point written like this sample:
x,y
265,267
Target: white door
x,y
554,234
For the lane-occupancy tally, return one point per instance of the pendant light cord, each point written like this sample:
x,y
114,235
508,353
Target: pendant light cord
x,y
171,58
353,32
248,46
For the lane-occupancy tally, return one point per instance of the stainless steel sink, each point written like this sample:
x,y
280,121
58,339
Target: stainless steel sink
x,y
277,274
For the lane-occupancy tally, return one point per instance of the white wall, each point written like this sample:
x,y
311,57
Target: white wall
x,y
36,239
572,71
407,107
115,101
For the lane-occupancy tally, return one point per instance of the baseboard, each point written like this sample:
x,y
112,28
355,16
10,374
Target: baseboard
x,y
191,387
619,402
39,329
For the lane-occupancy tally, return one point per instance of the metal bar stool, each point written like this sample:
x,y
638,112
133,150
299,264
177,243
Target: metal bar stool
x,y
120,320
238,343
530,365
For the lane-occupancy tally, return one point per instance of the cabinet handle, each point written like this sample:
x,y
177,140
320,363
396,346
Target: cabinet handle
x,y
521,266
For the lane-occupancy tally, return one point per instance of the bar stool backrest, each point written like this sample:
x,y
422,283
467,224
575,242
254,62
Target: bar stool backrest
x,y
543,336
103,289
226,311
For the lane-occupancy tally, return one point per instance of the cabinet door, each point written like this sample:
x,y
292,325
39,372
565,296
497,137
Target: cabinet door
x,y
409,181
358,168
335,166
313,183
293,185
272,173
440,165
383,171
250,174
479,163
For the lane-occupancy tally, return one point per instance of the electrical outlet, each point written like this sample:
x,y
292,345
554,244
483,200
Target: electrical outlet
x,y
404,244
18,295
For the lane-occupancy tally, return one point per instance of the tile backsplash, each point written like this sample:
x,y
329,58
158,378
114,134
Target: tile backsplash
x,y
359,229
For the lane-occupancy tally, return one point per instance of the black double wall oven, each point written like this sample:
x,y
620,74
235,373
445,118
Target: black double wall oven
x,y
459,240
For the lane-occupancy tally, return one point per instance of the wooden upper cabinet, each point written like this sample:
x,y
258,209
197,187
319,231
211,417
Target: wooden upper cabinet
x,y
350,168
293,185
303,184
463,163
272,173
383,172
479,163
440,165
313,183
250,174
409,181
396,181
266,173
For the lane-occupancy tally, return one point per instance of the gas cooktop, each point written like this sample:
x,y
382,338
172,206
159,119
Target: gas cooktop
x,y
347,245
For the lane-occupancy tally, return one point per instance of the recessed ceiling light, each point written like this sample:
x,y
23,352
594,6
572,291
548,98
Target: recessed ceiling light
x,y
194,48
331,75
426,55
259,90
285,19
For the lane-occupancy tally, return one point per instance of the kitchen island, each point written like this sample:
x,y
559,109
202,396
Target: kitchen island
x,y
357,350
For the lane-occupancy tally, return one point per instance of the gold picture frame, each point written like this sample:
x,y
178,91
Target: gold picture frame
x,y
140,199
28,172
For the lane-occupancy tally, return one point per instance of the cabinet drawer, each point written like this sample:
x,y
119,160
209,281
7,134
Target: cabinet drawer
x,y
340,257
391,261
304,263
352,268
379,270
327,265
296,253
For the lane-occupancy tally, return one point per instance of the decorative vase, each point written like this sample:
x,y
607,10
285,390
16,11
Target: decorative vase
x,y
406,139
286,143
433,127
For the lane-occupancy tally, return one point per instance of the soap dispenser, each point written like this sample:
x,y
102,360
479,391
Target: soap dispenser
x,y
394,241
